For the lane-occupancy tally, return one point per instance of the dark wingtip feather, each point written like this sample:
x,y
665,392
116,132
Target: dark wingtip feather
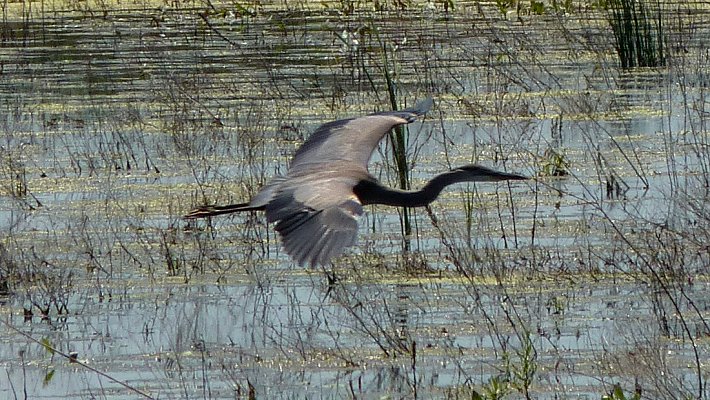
x,y
313,237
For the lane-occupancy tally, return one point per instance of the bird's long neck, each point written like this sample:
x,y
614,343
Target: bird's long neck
x,y
372,192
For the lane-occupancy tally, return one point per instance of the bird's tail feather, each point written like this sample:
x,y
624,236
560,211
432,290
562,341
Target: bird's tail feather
x,y
211,211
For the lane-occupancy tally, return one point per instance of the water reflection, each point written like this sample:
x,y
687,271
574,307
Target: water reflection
x,y
262,332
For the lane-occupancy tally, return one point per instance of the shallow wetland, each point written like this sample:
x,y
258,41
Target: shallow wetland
x,y
591,279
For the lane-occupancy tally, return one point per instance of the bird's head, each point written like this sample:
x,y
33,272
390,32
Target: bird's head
x,y
477,173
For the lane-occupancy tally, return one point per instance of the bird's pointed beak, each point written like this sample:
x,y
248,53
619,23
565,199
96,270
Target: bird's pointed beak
x,y
504,176
483,174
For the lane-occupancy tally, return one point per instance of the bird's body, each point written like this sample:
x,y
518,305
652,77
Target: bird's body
x,y
317,203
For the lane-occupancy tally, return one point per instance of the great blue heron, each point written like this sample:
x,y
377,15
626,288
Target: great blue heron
x,y
316,205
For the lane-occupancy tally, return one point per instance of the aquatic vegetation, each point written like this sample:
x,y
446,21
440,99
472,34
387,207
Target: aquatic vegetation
x,y
639,32
555,164
618,394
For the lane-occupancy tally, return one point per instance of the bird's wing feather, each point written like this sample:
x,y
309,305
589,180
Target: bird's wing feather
x,y
351,140
314,206
316,218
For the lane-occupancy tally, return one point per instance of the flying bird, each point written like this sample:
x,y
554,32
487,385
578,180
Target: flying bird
x,y
317,204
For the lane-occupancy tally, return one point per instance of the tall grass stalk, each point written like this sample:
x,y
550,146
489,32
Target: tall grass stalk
x,y
398,140
399,151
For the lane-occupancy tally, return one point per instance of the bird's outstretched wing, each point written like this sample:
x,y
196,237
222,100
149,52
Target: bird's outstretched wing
x,y
351,140
316,216
314,207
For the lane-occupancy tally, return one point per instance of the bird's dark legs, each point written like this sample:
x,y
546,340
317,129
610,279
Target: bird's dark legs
x,y
332,280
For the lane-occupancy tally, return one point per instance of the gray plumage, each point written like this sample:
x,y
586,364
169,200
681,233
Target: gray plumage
x,y
317,204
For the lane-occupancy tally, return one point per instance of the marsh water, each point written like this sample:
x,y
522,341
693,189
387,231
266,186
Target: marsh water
x,y
119,119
